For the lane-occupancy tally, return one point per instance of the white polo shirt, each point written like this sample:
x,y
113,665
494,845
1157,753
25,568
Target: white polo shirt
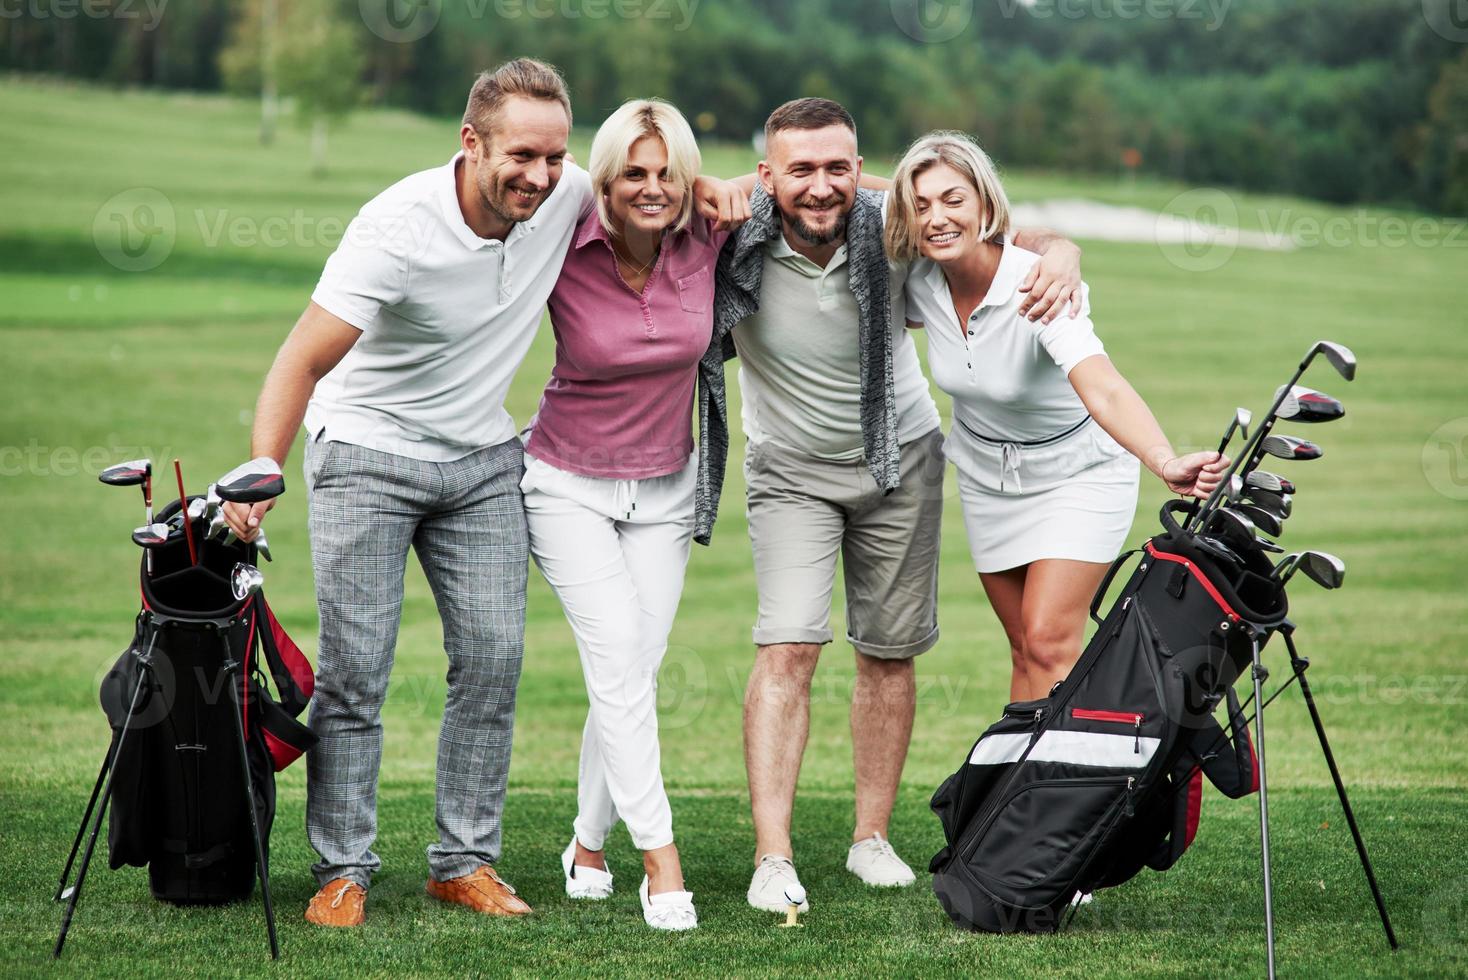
x,y
446,316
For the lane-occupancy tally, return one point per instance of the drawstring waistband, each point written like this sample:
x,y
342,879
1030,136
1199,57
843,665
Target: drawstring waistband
x,y
1009,464
1010,455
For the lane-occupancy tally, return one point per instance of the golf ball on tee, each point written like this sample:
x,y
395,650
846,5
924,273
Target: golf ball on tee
x,y
794,894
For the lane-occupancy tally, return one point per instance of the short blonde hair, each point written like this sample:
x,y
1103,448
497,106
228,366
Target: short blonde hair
x,y
523,77
613,144
961,152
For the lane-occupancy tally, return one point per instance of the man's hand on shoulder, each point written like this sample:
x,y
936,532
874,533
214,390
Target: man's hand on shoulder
x,y
721,201
1053,286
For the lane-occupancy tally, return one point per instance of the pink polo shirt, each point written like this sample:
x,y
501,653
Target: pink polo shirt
x,y
619,403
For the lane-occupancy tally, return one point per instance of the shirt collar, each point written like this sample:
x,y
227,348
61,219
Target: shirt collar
x,y
449,201
779,248
1007,277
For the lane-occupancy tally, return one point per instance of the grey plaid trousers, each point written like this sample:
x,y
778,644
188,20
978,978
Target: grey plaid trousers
x,y
466,521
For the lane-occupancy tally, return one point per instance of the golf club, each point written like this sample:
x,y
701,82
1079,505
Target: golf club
x,y
1325,569
1237,531
1265,480
151,535
245,580
261,545
252,482
1263,519
183,503
1240,423
1303,404
1289,447
1218,549
1278,504
1340,358
135,472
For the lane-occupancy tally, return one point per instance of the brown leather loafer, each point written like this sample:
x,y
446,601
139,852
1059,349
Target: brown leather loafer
x,y
481,890
340,903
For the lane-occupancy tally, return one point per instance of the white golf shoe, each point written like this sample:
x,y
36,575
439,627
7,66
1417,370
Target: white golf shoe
x,y
584,882
875,862
772,878
672,911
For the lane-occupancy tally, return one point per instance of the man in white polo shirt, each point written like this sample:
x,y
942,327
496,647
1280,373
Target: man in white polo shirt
x,y
399,368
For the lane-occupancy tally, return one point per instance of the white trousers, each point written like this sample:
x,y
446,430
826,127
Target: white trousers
x,y
615,552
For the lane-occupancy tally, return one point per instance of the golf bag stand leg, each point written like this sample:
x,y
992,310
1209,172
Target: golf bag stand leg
x,y
145,677
81,830
1259,673
233,671
1299,664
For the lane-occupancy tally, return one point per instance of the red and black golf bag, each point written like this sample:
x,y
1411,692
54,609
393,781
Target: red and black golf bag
x,y
1085,788
197,736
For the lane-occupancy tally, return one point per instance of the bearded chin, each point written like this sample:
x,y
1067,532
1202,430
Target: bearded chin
x,y
815,236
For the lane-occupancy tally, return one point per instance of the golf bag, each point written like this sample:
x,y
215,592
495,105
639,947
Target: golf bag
x,y
1083,789
196,735
177,792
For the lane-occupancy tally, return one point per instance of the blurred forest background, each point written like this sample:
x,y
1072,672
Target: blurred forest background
x,y
1340,100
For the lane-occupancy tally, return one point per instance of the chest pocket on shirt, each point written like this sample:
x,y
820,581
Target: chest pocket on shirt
x,y
695,291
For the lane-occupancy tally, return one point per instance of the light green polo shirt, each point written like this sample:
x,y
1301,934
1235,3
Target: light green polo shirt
x,y
800,360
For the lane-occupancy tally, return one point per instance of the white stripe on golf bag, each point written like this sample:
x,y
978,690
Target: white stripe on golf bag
x,y
1079,748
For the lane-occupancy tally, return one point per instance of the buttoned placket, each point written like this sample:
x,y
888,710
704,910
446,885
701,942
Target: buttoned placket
x,y
827,297
649,329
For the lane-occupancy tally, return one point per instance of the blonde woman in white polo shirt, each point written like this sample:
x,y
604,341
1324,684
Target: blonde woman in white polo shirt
x,y
1046,433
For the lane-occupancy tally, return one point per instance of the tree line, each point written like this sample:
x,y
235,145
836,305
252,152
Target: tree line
x,y
1341,100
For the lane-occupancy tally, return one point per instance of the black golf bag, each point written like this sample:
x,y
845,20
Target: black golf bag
x,y
1083,789
195,730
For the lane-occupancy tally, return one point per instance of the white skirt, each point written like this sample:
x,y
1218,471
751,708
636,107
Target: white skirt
x,y
1085,518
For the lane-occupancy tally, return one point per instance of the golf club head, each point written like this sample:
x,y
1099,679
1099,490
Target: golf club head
x,y
1301,404
1235,487
1242,418
197,509
262,547
1339,356
1265,521
1322,568
1213,546
1278,504
129,474
1265,480
1290,447
1232,528
245,580
252,482
151,535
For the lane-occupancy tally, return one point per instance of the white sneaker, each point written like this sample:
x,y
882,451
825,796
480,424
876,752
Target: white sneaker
x,y
874,862
584,882
1081,898
672,911
774,876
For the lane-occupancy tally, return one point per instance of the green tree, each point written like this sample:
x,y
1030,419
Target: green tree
x,y
309,53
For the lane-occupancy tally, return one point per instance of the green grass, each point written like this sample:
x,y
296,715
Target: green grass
x,y
75,333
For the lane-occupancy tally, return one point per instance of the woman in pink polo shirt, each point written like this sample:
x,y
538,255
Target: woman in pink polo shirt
x,y
610,475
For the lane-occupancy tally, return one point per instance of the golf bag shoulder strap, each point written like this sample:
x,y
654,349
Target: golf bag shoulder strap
x,y
1105,585
290,671
1228,762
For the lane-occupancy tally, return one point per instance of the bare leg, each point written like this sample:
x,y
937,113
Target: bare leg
x,y
1006,592
1056,596
664,871
776,724
882,707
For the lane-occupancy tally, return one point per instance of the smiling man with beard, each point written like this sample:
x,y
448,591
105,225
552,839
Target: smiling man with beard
x,y
399,368
845,457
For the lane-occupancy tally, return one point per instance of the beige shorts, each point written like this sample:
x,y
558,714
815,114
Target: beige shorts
x,y
804,511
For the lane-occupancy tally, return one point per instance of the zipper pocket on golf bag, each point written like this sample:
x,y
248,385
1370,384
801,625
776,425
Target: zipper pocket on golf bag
x,y
1043,832
1132,719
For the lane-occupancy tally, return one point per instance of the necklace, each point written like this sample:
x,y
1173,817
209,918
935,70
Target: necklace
x,y
638,270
